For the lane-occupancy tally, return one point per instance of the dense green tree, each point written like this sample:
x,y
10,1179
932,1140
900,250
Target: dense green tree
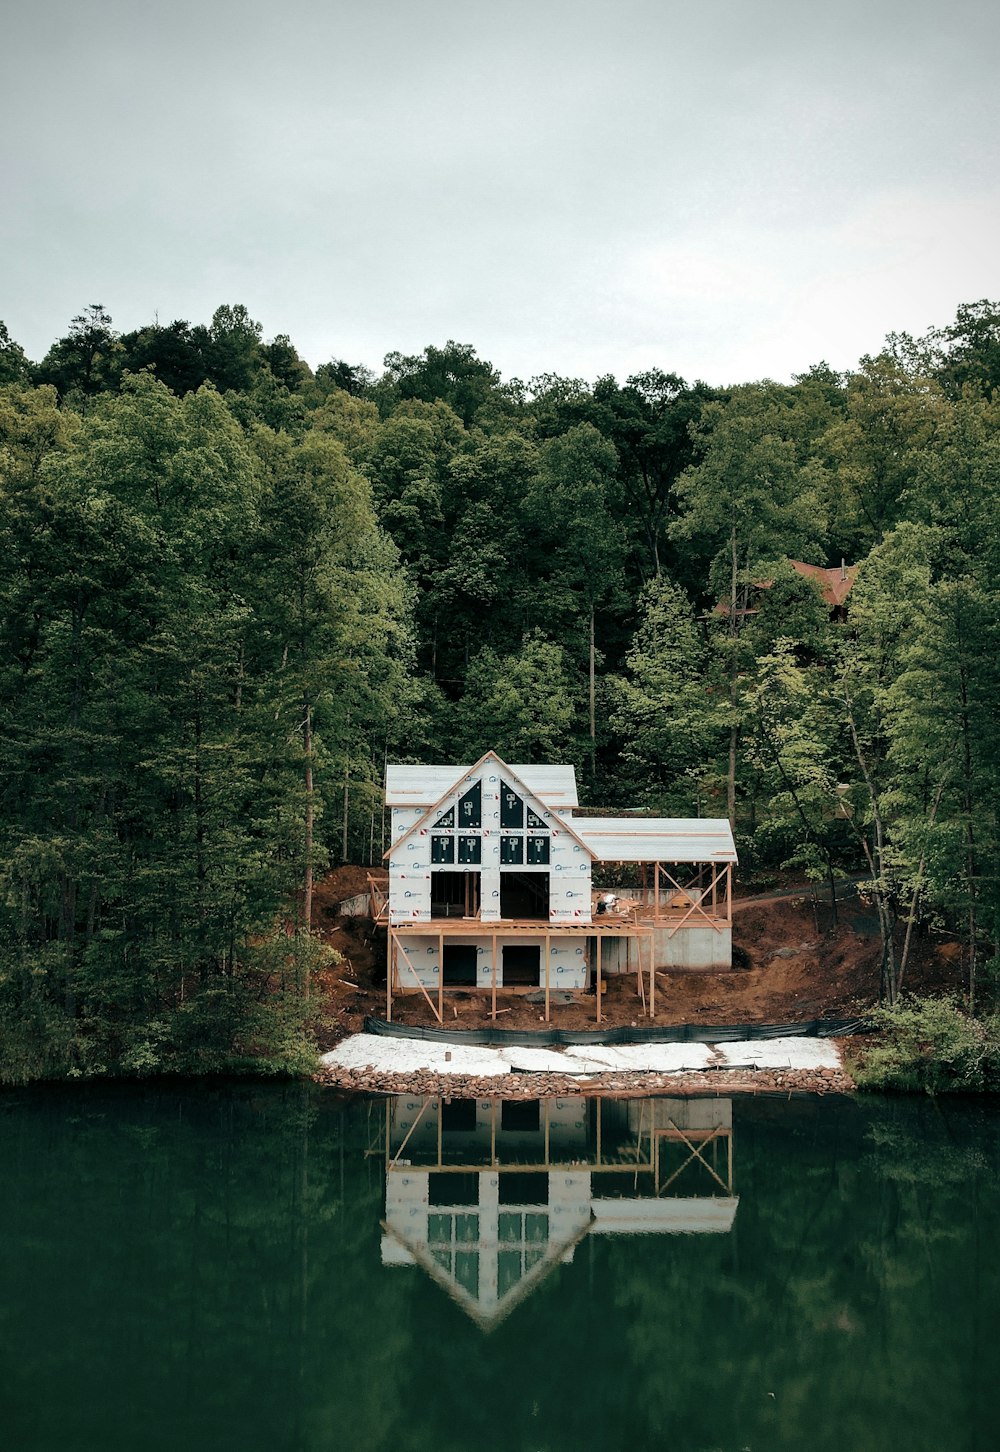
x,y
178,354
454,375
520,704
750,503
669,705
87,360
14,365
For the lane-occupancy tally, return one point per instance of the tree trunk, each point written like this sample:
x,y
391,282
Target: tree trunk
x,y
307,895
593,703
733,724
347,788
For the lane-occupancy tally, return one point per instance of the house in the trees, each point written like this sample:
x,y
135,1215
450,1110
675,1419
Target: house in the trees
x,y
489,1196
834,586
491,887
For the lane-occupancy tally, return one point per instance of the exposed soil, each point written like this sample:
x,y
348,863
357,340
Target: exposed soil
x,y
790,966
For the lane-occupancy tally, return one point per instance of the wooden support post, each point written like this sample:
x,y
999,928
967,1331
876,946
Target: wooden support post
x,y
390,970
715,879
729,893
656,890
547,974
652,974
440,977
493,981
598,970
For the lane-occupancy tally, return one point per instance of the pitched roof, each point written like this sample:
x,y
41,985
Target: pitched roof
x,y
422,786
834,585
658,839
457,775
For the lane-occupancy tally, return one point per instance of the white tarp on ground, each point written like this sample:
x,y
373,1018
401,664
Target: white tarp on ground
x,y
791,1053
654,1058
406,1056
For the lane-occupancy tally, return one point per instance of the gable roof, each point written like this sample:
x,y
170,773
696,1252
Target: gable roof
x,y
457,777
834,585
422,786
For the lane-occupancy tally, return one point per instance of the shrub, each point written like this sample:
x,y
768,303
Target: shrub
x,y
931,1044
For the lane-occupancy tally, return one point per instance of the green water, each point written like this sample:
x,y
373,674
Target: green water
x,y
206,1268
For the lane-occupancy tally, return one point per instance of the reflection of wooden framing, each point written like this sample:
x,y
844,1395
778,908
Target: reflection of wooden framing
x,y
642,1163
644,1156
696,1142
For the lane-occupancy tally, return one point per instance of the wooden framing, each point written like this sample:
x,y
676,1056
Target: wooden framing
x,y
444,928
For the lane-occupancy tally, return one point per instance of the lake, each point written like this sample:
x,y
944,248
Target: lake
x,y
272,1267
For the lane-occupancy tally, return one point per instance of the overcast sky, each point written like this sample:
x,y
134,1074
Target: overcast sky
x,y
727,189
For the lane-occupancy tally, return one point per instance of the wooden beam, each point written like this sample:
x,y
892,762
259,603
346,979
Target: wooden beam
x,y
656,890
440,977
390,971
598,980
493,981
548,941
652,974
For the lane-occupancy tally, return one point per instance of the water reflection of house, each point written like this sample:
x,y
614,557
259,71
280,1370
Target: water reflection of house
x,y
487,1195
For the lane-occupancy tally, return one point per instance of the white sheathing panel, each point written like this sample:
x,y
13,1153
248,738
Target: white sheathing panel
x,y
567,959
409,892
569,879
403,818
658,839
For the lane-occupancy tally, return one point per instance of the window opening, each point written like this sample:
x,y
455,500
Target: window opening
x,y
511,851
538,851
470,849
460,965
458,1116
523,1115
531,1189
522,968
442,849
447,819
535,824
524,895
453,1190
454,894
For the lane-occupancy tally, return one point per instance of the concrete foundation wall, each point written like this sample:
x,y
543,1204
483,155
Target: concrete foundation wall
x,y
691,948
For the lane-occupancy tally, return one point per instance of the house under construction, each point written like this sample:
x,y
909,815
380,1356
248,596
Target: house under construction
x,y
491,888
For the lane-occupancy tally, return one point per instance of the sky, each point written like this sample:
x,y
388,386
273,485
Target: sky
x,y
727,189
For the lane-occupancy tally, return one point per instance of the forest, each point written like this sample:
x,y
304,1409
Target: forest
x,y
234,586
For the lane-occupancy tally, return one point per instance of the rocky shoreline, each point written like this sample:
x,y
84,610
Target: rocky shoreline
x,y
613,1084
